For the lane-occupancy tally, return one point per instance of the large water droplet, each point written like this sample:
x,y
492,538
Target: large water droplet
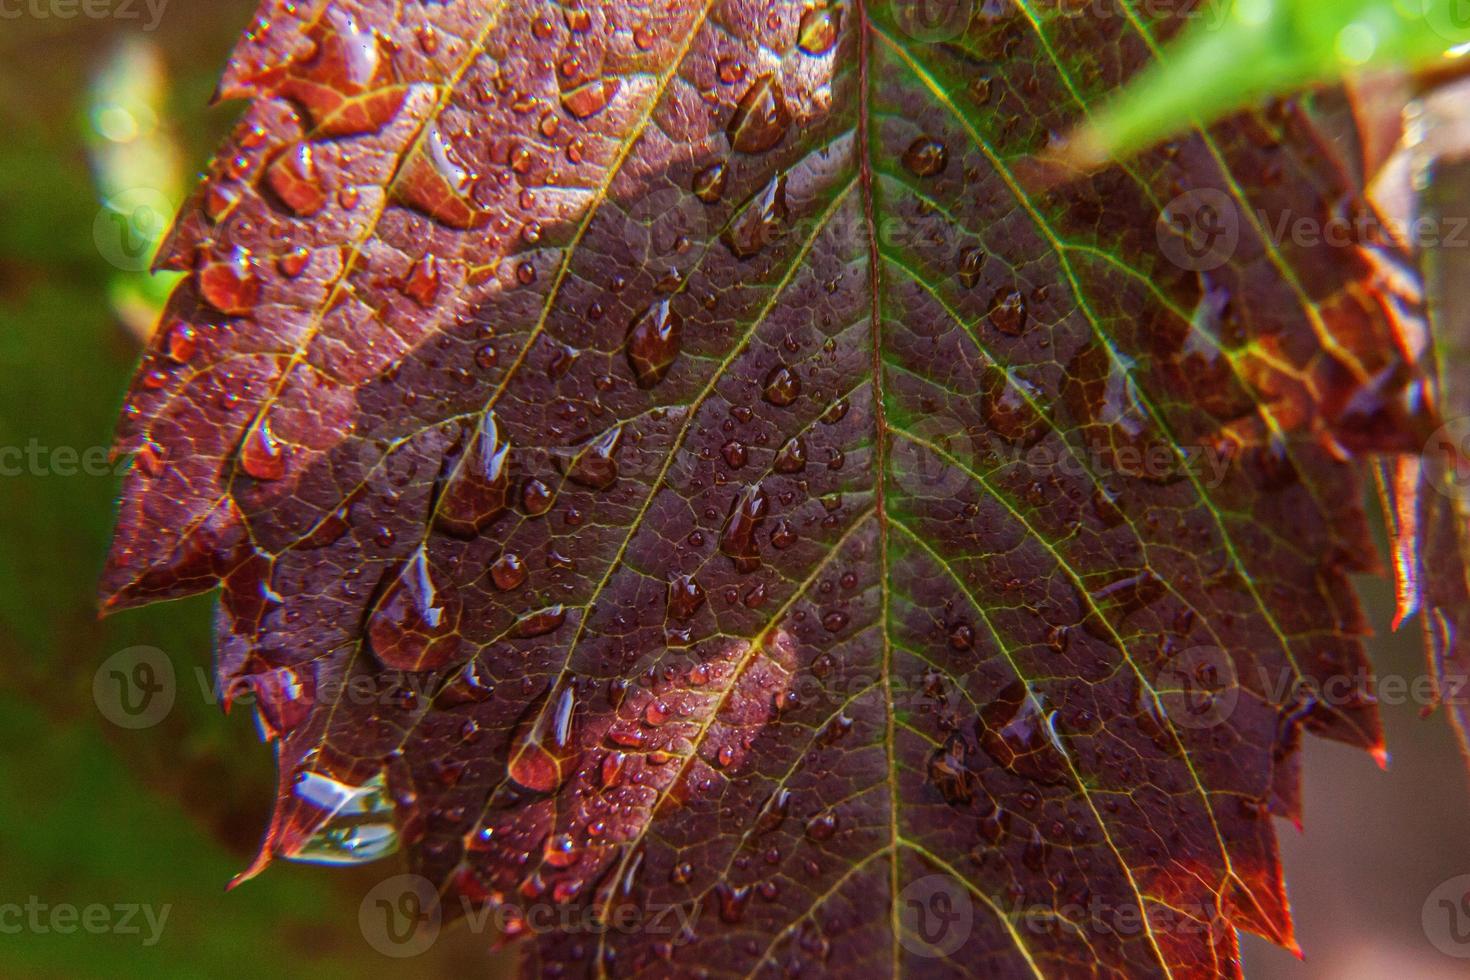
x,y
540,749
294,178
589,98
1008,312
738,538
415,624
817,32
759,222
230,285
595,463
262,455
685,597
477,490
353,824
782,387
653,342
1014,733
761,118
709,183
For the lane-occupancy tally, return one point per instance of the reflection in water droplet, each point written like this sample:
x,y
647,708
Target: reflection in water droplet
x,y
653,342
354,823
761,118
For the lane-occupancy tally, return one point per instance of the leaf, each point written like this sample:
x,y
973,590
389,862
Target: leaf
x,y
697,465
1238,52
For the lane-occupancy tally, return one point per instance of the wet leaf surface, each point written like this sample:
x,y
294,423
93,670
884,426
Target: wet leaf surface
x,y
697,457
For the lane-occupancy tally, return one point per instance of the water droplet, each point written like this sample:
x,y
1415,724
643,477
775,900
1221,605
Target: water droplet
x,y
925,157
230,285
709,183
436,182
261,454
791,458
422,282
294,178
759,222
1008,312
817,32
972,260
477,490
540,749
731,902
348,824
539,623
950,774
761,118
589,98
822,826
595,463
294,262
537,498
183,342
782,386
653,342
737,539
414,626
508,572
685,597
1013,732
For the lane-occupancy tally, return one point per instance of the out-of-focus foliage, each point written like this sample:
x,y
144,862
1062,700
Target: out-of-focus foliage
x,y
1236,52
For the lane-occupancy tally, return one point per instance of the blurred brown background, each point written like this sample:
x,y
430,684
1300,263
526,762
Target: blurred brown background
x,y
165,815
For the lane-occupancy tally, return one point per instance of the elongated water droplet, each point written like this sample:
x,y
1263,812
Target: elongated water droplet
x,y
541,749
759,222
709,183
685,597
653,342
761,118
738,538
479,486
414,626
261,454
589,98
1013,732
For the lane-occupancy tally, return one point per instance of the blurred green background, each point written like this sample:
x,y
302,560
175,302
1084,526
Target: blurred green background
x,y
166,815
